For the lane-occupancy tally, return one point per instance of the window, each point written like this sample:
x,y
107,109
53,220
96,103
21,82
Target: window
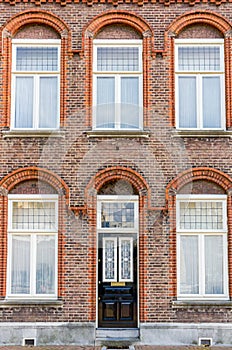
x,y
32,246
35,84
200,84
117,84
202,246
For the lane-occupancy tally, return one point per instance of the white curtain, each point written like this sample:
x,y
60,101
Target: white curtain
x,y
48,102
24,102
105,109
45,265
130,102
20,265
211,102
189,268
214,265
187,102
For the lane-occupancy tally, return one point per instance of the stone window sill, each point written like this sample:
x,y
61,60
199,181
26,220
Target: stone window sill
x,y
30,302
202,133
117,133
32,133
201,303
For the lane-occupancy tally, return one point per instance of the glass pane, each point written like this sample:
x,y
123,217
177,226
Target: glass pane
x,y
20,265
37,59
24,91
105,110
199,58
201,215
33,216
187,102
117,215
126,259
130,102
211,102
48,102
214,274
45,265
189,268
109,259
118,59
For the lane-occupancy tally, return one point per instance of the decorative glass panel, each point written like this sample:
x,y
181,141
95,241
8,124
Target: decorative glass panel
x,y
110,259
117,214
118,59
33,215
214,274
20,265
126,259
37,59
189,265
199,58
45,265
201,215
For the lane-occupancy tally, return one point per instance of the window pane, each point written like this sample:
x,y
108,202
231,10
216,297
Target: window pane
x,y
118,59
214,275
130,102
187,102
189,268
110,259
199,58
33,215
37,58
48,103
24,91
211,102
105,110
20,265
201,215
45,265
117,215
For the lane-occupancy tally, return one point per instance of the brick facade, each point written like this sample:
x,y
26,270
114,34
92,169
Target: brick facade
x,y
77,164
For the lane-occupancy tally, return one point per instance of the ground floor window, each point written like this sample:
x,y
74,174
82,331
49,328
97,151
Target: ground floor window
x,y
202,247
32,246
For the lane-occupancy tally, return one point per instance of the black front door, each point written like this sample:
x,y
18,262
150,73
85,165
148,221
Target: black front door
x,y
117,281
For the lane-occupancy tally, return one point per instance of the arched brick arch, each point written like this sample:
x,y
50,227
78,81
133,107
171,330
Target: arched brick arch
x,y
33,16
221,24
201,173
118,17
34,173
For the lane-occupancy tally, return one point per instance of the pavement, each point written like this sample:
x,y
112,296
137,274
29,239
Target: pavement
x,y
137,347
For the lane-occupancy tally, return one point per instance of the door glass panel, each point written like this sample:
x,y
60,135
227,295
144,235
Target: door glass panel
x,y
126,259
117,214
110,259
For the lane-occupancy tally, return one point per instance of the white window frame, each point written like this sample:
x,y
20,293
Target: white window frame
x,y
201,234
36,75
117,75
121,239
199,75
114,240
33,234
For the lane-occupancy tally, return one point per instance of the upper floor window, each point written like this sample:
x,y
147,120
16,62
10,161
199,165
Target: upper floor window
x,y
202,247
117,84
35,84
200,97
32,246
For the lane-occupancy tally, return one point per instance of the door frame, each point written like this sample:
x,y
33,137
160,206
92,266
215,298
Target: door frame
x,y
117,198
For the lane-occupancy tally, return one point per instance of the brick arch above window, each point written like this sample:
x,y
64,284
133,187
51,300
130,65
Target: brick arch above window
x,y
90,32
223,27
9,31
33,173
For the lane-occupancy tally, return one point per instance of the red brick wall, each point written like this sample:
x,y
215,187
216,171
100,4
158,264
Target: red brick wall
x,y
86,164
